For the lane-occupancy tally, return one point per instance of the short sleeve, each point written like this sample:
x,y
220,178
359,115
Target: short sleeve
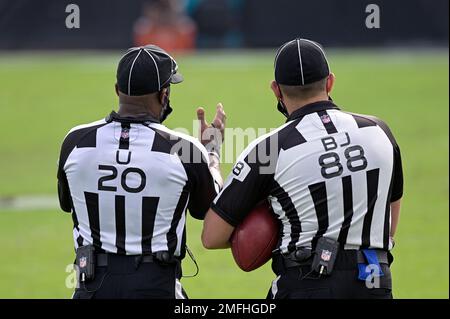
x,y
249,182
397,182
75,137
397,174
65,200
203,187
194,157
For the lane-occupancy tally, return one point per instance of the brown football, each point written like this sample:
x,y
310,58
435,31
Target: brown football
x,y
253,241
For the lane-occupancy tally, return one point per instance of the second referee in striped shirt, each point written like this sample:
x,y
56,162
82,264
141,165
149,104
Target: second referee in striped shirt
x,y
334,181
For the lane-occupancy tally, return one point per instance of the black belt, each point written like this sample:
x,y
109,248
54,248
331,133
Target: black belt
x,y
346,259
382,256
104,259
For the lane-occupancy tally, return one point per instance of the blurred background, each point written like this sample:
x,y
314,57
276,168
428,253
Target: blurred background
x,y
57,70
192,24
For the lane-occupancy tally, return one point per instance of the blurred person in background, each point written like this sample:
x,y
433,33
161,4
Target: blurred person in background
x,y
219,22
164,23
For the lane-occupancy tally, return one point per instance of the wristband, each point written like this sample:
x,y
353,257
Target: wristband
x,y
213,146
214,153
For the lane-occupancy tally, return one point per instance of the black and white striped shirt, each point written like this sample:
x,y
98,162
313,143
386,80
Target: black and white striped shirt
x,y
326,173
129,182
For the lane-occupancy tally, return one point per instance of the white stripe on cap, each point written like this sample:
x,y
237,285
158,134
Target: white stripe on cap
x,y
172,61
131,71
300,60
279,51
156,66
323,53
129,51
161,51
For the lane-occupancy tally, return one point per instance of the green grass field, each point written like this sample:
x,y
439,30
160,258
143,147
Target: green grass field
x,y
43,96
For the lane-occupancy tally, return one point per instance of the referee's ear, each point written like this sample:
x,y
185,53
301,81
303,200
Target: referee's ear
x,y
276,90
117,89
330,82
164,96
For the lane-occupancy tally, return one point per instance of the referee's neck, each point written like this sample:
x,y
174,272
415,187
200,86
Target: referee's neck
x,y
293,105
130,110
139,106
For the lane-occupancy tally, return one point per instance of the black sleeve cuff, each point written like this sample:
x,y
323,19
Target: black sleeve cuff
x,y
396,197
64,198
196,214
225,216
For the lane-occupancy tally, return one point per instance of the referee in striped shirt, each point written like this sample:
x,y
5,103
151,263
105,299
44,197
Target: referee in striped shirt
x,y
334,180
127,180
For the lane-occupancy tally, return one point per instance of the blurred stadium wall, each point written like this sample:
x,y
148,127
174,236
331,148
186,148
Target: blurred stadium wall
x,y
109,24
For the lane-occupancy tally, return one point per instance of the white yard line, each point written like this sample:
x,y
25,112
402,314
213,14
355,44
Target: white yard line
x,y
28,203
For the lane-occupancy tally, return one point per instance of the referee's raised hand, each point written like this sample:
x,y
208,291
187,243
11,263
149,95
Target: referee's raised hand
x,y
212,134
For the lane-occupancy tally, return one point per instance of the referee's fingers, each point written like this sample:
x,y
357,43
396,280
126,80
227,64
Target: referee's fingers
x,y
220,118
201,117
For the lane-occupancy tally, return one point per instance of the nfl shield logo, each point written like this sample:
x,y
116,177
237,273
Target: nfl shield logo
x,y
83,262
325,119
125,134
326,255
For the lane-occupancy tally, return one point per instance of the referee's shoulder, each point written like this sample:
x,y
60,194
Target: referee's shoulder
x,y
77,133
364,120
79,136
85,127
172,137
269,142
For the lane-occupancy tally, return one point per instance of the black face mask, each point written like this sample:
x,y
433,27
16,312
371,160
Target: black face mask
x,y
282,108
166,109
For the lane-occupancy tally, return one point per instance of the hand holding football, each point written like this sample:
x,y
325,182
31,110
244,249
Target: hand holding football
x,y
253,241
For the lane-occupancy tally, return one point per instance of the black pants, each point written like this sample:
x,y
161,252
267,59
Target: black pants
x,y
343,283
124,279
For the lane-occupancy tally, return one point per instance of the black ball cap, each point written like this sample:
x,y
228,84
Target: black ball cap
x,y
146,70
300,62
